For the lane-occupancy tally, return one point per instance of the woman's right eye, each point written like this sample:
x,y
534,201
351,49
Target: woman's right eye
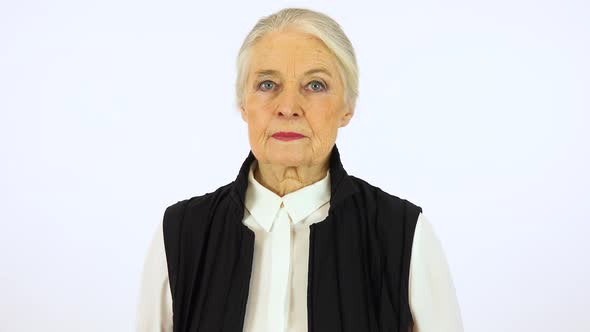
x,y
266,85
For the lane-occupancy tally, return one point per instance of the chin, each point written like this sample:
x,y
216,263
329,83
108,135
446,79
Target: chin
x,y
288,154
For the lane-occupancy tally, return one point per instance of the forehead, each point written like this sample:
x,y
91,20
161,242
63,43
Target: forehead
x,y
290,52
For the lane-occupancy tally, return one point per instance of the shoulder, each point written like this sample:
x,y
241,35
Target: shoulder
x,y
384,199
174,213
195,209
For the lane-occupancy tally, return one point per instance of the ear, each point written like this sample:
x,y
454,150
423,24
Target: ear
x,y
244,114
346,117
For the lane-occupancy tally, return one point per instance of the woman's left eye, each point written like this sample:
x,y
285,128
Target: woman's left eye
x,y
316,86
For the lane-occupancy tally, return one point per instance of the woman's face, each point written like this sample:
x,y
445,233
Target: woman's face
x,y
293,86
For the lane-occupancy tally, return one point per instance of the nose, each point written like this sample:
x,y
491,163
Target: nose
x,y
288,102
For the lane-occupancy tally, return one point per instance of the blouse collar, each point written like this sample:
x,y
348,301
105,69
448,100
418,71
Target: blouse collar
x,y
263,204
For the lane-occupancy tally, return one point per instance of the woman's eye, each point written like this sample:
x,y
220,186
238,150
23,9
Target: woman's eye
x,y
317,86
266,85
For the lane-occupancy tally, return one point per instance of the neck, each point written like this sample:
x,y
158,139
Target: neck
x,y
286,179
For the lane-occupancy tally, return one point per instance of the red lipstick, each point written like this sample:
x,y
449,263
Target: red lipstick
x,y
287,135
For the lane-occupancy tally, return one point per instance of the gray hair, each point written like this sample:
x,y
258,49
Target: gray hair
x,y
317,24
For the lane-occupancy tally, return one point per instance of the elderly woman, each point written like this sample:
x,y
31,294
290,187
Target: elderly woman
x,y
295,243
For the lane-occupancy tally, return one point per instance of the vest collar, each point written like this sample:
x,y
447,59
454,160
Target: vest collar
x,y
341,185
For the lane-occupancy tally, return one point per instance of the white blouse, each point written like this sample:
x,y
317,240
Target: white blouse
x,y
277,299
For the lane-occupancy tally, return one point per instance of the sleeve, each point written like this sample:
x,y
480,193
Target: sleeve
x,y
432,297
154,309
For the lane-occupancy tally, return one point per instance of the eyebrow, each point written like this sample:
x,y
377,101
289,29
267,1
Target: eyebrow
x,y
270,72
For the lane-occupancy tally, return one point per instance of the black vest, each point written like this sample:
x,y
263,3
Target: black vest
x,y
359,258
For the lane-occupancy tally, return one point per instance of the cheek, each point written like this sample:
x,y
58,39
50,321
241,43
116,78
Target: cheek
x,y
258,120
255,124
323,118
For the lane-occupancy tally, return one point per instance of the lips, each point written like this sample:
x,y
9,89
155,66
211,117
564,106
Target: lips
x,y
287,135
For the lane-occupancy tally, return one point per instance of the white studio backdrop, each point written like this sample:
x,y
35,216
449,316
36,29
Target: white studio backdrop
x,y
478,111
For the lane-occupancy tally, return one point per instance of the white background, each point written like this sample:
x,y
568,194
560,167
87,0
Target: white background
x,y
478,111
